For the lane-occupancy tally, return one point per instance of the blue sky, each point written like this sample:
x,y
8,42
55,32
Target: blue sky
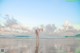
x,y
37,12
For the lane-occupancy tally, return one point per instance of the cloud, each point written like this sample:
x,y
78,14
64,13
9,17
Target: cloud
x,y
77,26
67,29
10,22
50,28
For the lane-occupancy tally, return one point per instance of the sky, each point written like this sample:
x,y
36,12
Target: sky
x,y
38,12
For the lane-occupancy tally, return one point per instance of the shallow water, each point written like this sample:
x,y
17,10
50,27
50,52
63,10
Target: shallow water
x,y
47,45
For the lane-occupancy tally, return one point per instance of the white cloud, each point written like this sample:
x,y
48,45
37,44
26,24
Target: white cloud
x,y
12,25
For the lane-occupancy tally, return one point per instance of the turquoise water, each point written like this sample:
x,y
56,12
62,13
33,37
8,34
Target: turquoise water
x,y
34,37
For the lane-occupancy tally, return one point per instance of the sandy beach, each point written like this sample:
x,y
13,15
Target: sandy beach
x,y
46,45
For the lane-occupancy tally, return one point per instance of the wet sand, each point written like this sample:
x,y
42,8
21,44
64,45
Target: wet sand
x,y
55,45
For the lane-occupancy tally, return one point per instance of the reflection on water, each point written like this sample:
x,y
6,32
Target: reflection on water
x,y
55,45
